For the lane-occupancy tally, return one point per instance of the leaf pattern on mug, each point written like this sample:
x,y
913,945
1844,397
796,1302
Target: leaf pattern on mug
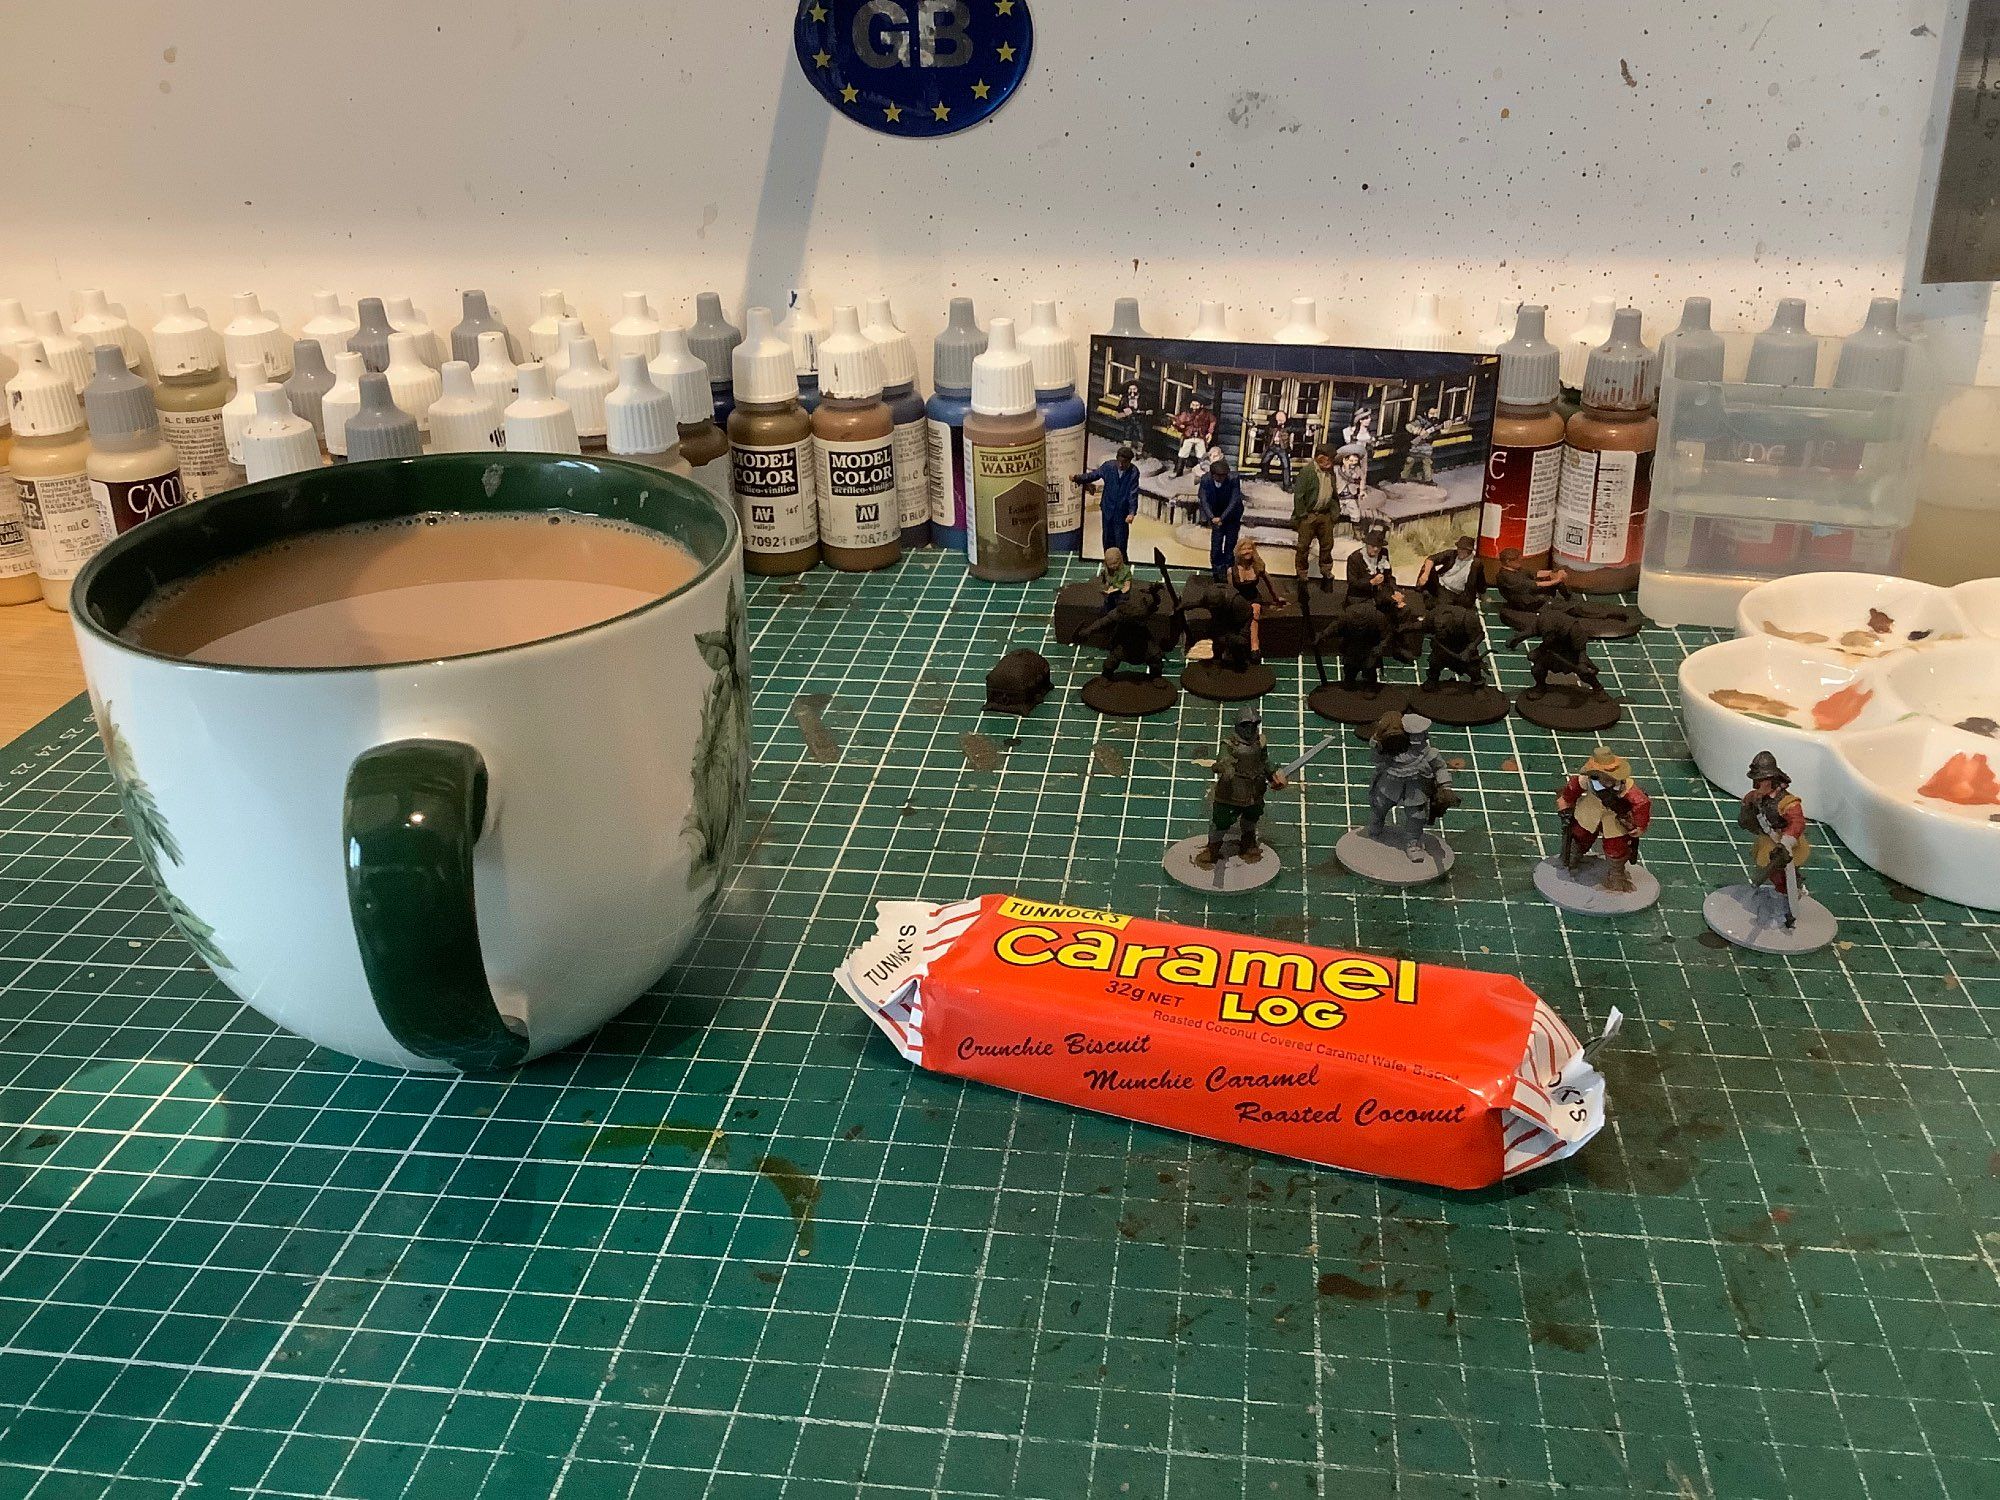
x,y
154,837
722,755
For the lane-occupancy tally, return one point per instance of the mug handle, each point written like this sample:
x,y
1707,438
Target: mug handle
x,y
411,815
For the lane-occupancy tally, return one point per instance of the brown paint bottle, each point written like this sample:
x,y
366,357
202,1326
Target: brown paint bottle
x,y
1006,466
771,453
1607,474
854,453
1524,468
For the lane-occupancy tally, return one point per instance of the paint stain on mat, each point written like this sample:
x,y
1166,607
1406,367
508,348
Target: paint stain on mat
x,y
1905,894
1108,758
808,710
1340,1284
800,1192
980,753
696,1140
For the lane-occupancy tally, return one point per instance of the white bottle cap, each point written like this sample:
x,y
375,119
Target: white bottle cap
x,y
240,407
539,421
850,369
638,415
545,333
404,318
1050,353
1425,329
463,420
899,359
584,385
1209,322
275,441
1302,326
183,343
1530,366
97,323
253,337
65,353
496,375
330,326
342,400
42,401
14,329
1503,327
683,377
803,328
413,385
568,330
1003,378
1594,330
638,331
761,366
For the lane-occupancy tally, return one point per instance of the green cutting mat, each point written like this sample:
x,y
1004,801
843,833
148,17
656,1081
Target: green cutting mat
x,y
734,1246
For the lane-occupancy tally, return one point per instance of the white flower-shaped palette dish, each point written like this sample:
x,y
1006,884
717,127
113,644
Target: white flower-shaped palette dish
x,y
1881,698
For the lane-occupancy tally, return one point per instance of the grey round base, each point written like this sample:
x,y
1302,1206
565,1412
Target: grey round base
x,y
1123,696
1218,684
1390,863
1753,917
1582,890
1229,876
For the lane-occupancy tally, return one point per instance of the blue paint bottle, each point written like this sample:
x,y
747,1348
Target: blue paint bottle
x,y
951,382
1063,414
712,338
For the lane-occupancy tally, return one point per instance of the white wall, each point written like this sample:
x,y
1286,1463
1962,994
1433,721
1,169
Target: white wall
x,y
1359,150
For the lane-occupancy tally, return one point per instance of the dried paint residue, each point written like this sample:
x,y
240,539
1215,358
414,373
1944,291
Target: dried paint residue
x,y
1839,709
1880,623
1803,637
1966,780
1757,705
800,1192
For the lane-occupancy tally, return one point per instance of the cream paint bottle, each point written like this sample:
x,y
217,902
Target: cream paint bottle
x,y
134,474
50,458
18,584
854,453
193,391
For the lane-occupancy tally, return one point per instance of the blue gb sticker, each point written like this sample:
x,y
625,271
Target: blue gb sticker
x,y
915,67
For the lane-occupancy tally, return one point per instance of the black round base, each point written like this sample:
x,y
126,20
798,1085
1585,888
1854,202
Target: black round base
x,y
1358,705
1568,708
1595,627
1218,684
1460,703
1125,696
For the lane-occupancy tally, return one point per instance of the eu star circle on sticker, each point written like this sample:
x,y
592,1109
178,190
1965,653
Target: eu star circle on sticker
x,y
914,67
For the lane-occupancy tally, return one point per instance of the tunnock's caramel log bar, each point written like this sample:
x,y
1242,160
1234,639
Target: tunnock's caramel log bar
x,y
1379,1065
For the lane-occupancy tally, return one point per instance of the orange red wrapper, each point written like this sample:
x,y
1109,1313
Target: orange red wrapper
x,y
1380,1065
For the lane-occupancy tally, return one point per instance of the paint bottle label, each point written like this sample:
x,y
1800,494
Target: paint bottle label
x,y
63,526
1065,463
857,492
774,496
124,503
913,487
16,560
196,438
1519,505
945,465
1601,507
1007,506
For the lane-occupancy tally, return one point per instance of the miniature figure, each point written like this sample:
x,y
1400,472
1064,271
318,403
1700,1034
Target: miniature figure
x,y
1410,791
1120,501
1316,516
1276,449
1114,579
1195,426
1601,806
1229,858
1369,572
1526,597
1130,636
1351,490
1423,433
1250,578
1358,437
1578,700
1018,683
1230,671
1455,689
1454,575
1360,636
1772,913
1219,506
1132,419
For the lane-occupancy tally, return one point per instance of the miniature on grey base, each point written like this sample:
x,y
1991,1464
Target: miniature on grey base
x,y
1753,917
1230,875
1583,891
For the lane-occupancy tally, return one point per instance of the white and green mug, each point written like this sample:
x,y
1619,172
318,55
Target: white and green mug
x,y
449,864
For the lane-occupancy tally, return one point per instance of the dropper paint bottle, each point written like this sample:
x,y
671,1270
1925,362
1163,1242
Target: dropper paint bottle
x,y
771,453
370,339
278,441
240,408
18,584
496,377
476,316
538,420
50,459
1125,322
1006,466
703,444
854,453
804,328
330,326
1607,478
463,420
899,390
97,322
952,354
413,384
133,473
381,428
713,339
1053,358
637,331
341,402
639,420
192,393
253,337
584,385
405,317
545,332
63,352
1524,467
306,389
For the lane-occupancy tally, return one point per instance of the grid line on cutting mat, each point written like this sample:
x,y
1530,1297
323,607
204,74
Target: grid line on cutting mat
x,y
732,1245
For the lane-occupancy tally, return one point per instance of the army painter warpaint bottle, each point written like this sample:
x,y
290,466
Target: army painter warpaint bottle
x,y
704,446
1607,476
713,340
1006,466
50,459
951,398
1524,468
192,393
854,453
770,452
913,428
133,472
1063,414
804,327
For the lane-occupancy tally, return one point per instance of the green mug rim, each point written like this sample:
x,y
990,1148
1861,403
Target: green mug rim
x,y
204,533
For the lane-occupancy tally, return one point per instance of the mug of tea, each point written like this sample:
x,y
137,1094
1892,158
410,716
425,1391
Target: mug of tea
x,y
435,761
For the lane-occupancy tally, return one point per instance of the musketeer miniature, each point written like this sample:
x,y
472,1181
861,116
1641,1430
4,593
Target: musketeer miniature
x,y
1772,913
1410,791
1131,637
1455,689
1229,858
1600,814
1567,694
